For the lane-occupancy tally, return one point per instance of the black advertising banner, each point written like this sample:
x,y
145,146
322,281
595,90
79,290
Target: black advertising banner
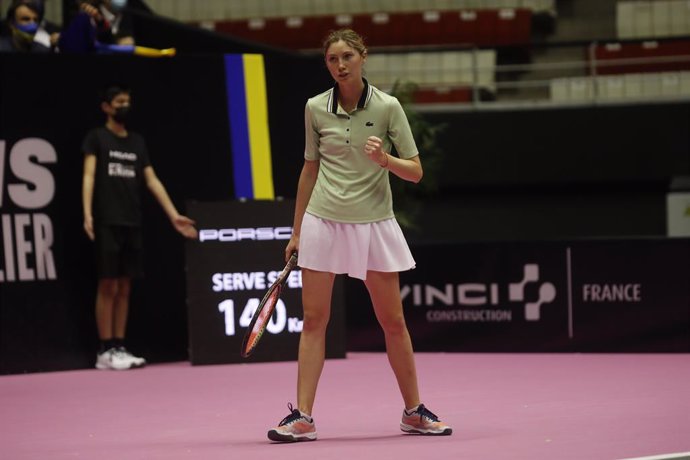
x,y
484,291
631,297
597,296
239,253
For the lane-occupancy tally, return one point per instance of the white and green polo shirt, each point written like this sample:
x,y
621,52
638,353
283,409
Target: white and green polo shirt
x,y
350,187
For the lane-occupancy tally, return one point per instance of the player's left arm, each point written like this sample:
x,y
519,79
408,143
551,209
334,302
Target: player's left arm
x,y
407,166
409,169
184,225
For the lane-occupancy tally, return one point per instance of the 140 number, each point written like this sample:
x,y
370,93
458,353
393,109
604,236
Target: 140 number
x,y
279,320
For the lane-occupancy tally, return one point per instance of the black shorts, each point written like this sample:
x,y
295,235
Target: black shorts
x,y
119,251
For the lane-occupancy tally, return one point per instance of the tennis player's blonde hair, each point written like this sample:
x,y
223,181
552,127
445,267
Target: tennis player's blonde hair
x,y
349,36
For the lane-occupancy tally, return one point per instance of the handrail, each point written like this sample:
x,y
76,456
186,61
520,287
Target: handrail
x,y
585,71
585,64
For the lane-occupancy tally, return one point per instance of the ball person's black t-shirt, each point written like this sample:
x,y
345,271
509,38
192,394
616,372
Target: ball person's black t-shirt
x,y
120,162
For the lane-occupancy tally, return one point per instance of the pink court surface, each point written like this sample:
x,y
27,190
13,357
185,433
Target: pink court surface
x,y
501,406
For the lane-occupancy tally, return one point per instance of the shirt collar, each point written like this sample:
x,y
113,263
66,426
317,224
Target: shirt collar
x,y
364,98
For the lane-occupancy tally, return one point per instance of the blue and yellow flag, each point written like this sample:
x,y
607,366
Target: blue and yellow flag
x,y
249,131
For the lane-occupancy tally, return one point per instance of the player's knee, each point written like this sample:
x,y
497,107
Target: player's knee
x,y
393,325
315,321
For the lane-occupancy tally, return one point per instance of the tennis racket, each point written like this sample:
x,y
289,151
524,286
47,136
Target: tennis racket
x,y
264,311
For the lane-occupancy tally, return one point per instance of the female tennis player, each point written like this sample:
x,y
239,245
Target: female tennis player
x,y
344,223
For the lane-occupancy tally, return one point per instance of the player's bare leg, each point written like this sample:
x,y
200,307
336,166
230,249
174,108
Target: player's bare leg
x,y
384,289
316,300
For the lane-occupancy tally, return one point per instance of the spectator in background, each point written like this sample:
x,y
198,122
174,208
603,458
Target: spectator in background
x,y
48,33
97,25
116,166
23,20
113,26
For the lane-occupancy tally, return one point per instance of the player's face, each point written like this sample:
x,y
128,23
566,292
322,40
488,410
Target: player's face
x,y
344,62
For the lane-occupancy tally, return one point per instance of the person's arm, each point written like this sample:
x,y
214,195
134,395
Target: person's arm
x,y
307,179
88,180
126,40
91,11
184,225
408,169
125,31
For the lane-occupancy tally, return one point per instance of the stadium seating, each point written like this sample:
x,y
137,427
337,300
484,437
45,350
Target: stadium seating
x,y
640,57
658,86
441,76
427,42
652,19
647,62
401,29
214,10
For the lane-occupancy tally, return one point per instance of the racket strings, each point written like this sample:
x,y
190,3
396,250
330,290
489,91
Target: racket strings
x,y
265,310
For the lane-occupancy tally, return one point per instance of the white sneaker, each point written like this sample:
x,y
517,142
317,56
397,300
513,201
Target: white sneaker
x,y
113,359
135,360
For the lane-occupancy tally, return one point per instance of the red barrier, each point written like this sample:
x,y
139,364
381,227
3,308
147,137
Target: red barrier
x,y
608,54
486,27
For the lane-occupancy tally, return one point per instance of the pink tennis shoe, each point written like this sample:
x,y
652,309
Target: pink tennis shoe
x,y
300,427
422,421
295,427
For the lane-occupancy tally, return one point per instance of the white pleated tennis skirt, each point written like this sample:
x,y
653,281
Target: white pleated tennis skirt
x,y
354,249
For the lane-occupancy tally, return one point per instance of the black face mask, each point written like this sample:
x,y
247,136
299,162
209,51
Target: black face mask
x,y
121,114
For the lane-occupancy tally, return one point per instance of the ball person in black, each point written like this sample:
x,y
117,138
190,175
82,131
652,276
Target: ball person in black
x,y
116,165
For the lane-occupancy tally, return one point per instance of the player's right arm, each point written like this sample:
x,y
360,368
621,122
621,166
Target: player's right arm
x,y
307,179
88,180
